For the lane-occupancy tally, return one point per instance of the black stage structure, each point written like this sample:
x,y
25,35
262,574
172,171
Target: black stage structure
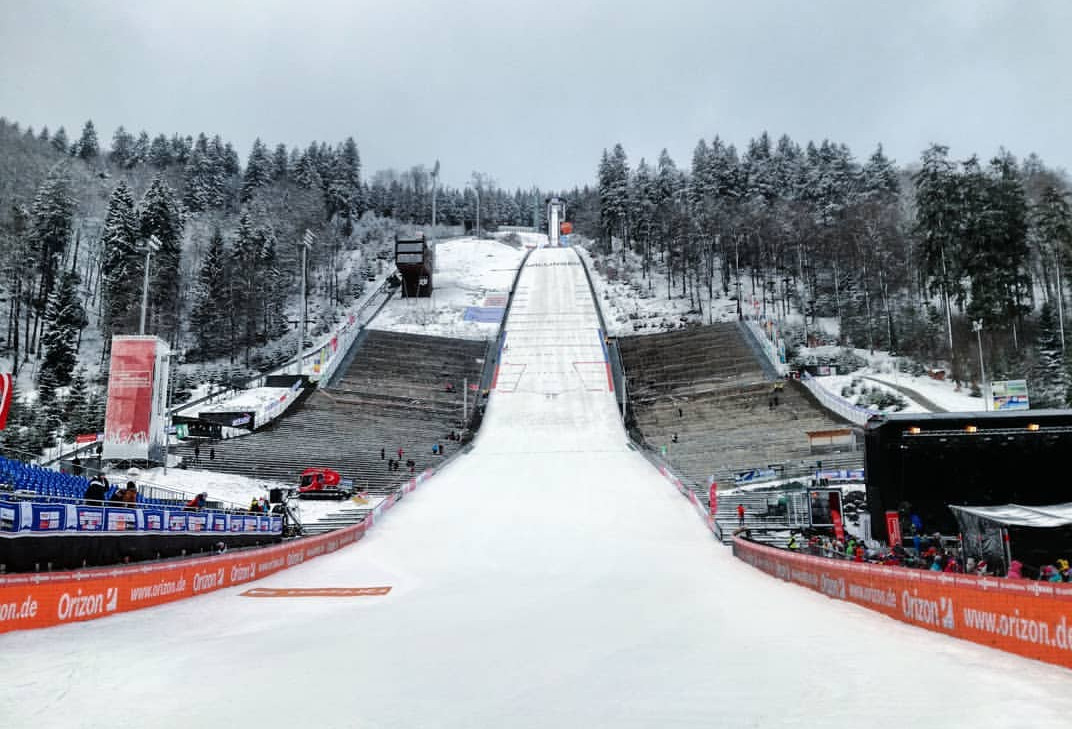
x,y
923,462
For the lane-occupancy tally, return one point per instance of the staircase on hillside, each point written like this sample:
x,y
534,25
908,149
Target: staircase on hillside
x,y
705,385
392,395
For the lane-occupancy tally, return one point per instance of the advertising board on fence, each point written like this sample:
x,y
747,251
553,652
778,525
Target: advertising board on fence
x,y
1032,619
1009,395
41,600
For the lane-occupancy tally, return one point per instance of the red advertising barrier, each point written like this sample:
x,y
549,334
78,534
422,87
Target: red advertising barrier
x,y
30,601
1032,619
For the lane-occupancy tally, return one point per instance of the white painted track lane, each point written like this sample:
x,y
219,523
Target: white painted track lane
x,y
550,579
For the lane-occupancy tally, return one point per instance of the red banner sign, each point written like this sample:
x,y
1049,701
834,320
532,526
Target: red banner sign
x,y
7,392
893,527
128,417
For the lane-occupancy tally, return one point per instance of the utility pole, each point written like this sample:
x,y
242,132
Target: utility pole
x,y
977,327
306,243
435,180
151,246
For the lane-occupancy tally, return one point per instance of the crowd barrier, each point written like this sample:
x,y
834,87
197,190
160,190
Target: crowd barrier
x,y
29,517
1025,617
41,600
1032,619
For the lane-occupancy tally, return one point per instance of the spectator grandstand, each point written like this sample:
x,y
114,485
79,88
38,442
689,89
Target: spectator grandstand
x,y
400,391
702,393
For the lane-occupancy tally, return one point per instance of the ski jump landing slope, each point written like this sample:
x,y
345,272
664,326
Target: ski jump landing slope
x,y
549,579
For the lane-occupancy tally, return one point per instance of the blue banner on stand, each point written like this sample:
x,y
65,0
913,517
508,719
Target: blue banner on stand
x,y
176,521
9,517
120,520
90,519
48,518
219,522
197,522
153,520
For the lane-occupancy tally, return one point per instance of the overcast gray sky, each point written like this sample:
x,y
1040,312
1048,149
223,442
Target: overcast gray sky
x,y
531,92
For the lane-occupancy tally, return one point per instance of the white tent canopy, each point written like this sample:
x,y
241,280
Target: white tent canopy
x,y
1042,517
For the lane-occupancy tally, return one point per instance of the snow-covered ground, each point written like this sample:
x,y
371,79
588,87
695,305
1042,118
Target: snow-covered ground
x,y
550,578
228,488
634,305
882,368
467,272
835,385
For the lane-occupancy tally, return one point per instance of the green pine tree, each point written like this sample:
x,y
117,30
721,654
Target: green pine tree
x,y
88,146
64,318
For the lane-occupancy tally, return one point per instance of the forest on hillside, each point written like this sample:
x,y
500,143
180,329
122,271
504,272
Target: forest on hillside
x,y
76,213
911,259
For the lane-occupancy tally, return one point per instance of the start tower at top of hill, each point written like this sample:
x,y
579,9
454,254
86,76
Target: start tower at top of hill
x,y
415,261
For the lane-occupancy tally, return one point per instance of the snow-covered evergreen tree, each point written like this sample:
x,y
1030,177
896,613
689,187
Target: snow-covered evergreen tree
x,y
279,163
258,171
51,224
121,265
160,152
122,148
88,146
64,318
59,141
1050,381
161,214
209,317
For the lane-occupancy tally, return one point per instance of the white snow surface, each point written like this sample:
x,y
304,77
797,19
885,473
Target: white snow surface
x,y
882,367
466,271
551,578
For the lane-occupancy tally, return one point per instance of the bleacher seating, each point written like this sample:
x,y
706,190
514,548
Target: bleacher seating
x,y
705,385
393,395
48,485
29,477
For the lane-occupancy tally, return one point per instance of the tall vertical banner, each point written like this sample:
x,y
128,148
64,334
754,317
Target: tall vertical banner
x,y
7,392
137,393
893,527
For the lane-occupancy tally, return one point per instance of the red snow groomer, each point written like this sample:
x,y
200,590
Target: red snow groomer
x,y
322,483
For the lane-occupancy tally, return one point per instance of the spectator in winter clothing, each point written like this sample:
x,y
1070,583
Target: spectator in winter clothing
x,y
1050,574
435,449
197,503
400,452
936,565
382,453
129,495
254,506
197,452
95,491
740,514
212,454
1016,568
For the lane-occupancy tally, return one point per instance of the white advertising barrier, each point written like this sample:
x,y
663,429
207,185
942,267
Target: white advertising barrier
x,y
769,347
850,411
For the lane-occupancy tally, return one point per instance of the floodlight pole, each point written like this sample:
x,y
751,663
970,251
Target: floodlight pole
x,y
151,246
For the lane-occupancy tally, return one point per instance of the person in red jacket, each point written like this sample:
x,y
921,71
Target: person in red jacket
x,y
740,514
197,503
